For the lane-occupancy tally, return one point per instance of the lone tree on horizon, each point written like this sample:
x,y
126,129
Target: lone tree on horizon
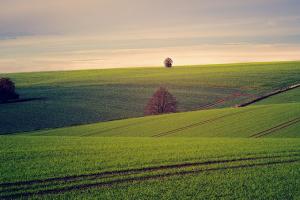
x,y
161,102
168,62
7,90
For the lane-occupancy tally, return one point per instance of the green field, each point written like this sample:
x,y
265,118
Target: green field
x,y
220,153
205,167
226,122
81,97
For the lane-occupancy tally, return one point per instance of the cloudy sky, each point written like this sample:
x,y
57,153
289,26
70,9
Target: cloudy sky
x,y
38,35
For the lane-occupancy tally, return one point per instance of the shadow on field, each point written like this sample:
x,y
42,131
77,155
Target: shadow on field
x,y
24,100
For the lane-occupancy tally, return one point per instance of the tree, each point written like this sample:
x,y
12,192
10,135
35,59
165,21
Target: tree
x,y
168,62
7,90
161,102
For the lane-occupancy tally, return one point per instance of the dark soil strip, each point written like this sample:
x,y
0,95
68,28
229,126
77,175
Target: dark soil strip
x,y
270,94
139,179
23,100
277,128
139,170
201,123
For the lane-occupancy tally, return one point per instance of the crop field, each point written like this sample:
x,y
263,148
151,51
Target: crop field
x,y
270,120
107,167
221,152
292,96
81,97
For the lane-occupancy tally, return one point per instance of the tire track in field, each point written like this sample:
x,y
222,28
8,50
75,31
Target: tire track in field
x,y
232,97
276,128
141,179
123,126
145,169
35,184
202,123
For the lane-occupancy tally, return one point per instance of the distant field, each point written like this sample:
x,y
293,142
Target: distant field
x,y
80,97
123,168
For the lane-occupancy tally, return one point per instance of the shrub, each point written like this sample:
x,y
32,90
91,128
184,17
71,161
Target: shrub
x,y
7,90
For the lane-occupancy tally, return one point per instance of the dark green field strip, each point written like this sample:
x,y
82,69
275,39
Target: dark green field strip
x,y
277,128
203,122
57,185
125,179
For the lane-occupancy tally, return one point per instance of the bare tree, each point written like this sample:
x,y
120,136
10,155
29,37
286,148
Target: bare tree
x,y
168,62
7,90
161,102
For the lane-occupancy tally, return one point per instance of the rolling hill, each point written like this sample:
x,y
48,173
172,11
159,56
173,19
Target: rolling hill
x,y
272,117
84,97
220,153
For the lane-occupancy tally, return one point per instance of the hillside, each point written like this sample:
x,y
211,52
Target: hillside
x,y
81,97
269,120
207,154
229,122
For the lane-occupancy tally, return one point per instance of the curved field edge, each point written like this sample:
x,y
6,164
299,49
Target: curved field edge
x,y
292,96
227,122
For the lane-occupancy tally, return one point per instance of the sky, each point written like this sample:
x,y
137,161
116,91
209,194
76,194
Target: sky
x,y
40,35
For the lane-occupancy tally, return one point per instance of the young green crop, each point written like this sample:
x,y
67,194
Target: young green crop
x,y
81,97
227,122
39,158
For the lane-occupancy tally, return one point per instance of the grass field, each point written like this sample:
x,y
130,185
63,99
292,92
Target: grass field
x,y
80,97
271,117
148,167
229,122
292,96
221,153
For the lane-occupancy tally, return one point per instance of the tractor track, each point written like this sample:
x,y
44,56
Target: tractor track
x,y
232,97
123,126
111,183
11,187
201,123
137,170
276,128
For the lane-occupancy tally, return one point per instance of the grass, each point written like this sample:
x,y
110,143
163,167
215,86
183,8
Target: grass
x,y
81,97
227,122
204,154
38,158
253,183
292,96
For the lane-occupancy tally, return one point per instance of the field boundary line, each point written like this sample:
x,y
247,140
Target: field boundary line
x,y
279,91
